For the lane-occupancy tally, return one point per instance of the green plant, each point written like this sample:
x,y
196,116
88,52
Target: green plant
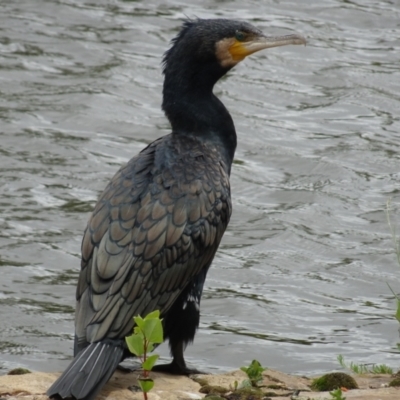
x,y
365,368
337,395
147,332
396,243
254,372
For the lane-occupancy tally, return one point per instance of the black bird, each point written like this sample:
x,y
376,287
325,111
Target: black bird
x,y
155,229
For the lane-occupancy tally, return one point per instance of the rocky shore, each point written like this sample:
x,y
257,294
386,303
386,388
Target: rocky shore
x,y
275,385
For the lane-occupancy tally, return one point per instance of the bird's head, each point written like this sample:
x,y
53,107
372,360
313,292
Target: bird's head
x,y
221,41
203,51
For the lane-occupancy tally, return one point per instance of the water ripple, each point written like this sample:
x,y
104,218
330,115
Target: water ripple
x,y
301,274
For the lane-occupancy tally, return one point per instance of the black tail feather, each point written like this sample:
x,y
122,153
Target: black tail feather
x,y
89,371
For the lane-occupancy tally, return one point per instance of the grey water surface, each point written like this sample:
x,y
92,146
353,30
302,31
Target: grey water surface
x,y
302,273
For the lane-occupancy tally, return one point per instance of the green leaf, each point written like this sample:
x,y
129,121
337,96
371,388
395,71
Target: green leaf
x,y
397,315
255,369
139,321
146,384
137,331
135,344
154,314
337,395
150,347
150,361
245,384
153,330
254,372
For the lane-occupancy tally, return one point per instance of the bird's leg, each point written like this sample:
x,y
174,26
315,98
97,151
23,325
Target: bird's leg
x,y
180,325
178,364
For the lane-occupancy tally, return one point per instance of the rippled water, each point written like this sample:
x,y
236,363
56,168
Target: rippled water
x,y
301,275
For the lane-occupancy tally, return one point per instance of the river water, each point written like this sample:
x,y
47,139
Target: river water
x,y
302,273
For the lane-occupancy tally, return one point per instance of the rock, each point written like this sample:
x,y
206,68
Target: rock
x,y
167,387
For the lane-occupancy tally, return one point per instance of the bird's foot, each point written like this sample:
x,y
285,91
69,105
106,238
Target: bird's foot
x,y
176,369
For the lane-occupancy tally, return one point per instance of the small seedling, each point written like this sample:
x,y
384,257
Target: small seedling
x,y
337,395
234,387
147,332
254,372
365,368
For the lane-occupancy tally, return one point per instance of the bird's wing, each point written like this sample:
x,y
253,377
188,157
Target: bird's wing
x,y
149,234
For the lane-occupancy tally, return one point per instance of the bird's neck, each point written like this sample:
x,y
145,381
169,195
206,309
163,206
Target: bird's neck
x,y
192,109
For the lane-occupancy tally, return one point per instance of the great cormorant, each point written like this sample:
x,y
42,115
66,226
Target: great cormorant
x,y
154,231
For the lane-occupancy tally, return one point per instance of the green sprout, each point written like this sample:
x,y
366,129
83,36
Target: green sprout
x,y
147,332
365,368
396,244
337,395
254,372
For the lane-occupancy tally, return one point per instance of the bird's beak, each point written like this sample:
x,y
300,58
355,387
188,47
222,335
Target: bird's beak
x,y
239,50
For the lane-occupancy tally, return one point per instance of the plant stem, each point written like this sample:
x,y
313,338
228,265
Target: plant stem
x,y
145,346
145,372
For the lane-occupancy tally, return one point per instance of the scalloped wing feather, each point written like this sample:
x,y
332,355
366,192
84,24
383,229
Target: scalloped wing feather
x,y
153,229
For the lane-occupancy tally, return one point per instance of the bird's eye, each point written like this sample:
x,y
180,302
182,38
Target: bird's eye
x,y
239,36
